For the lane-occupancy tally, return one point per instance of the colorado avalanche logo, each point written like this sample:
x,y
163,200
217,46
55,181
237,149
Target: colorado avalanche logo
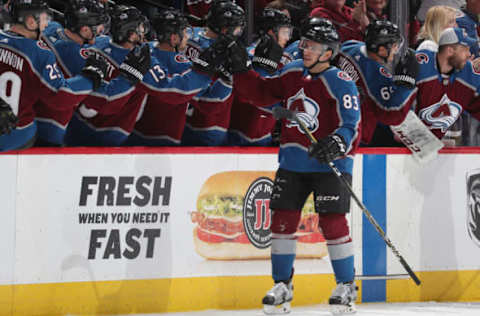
x,y
385,73
180,58
344,76
307,108
422,58
42,45
441,115
85,53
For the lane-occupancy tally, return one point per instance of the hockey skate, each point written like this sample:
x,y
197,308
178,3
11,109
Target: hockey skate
x,y
342,300
277,300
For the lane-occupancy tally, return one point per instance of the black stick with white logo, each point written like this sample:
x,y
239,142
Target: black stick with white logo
x,y
283,113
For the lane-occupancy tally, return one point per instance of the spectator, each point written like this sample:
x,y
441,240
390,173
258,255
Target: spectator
x,y
427,4
375,9
437,19
468,20
350,23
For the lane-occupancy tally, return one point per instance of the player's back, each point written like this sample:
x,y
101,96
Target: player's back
x,y
89,127
382,101
160,123
209,115
22,63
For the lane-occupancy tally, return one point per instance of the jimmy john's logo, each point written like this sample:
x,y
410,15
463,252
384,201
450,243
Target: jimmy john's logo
x,y
257,216
473,205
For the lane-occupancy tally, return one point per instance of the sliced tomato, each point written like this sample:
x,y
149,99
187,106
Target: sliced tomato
x,y
242,239
311,238
207,237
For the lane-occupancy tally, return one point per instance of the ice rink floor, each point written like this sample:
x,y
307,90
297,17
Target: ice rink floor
x,y
372,309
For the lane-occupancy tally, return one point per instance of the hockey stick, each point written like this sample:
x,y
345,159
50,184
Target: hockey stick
x,y
283,113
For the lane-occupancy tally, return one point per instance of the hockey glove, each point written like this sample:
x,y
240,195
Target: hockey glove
x,y
95,69
406,70
136,64
211,60
328,149
267,54
238,61
8,120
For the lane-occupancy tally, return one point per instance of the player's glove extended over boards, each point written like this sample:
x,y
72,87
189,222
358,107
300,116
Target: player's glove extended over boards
x,y
136,64
212,59
406,70
328,149
267,54
95,69
238,58
8,119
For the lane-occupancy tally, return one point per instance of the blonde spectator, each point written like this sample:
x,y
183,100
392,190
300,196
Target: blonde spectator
x,y
437,19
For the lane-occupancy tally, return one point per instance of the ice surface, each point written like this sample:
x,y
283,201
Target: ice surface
x,y
370,309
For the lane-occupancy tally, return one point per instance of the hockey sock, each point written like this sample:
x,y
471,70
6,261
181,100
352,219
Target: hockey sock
x,y
284,244
340,246
283,255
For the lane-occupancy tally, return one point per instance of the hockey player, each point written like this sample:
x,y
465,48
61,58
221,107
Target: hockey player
x,y
468,19
292,51
161,122
252,125
327,101
447,82
386,98
83,22
30,72
161,84
110,124
209,112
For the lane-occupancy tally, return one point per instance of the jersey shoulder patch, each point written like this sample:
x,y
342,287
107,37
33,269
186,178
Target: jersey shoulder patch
x,y
41,44
344,76
181,58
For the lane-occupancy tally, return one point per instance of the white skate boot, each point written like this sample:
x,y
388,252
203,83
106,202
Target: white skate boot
x,y
342,300
277,301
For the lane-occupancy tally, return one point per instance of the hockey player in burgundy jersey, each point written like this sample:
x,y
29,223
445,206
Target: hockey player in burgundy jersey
x,y
162,123
29,71
157,83
386,98
327,101
84,20
447,82
110,124
208,116
252,125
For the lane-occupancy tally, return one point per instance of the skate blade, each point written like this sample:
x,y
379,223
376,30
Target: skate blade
x,y
337,310
281,309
